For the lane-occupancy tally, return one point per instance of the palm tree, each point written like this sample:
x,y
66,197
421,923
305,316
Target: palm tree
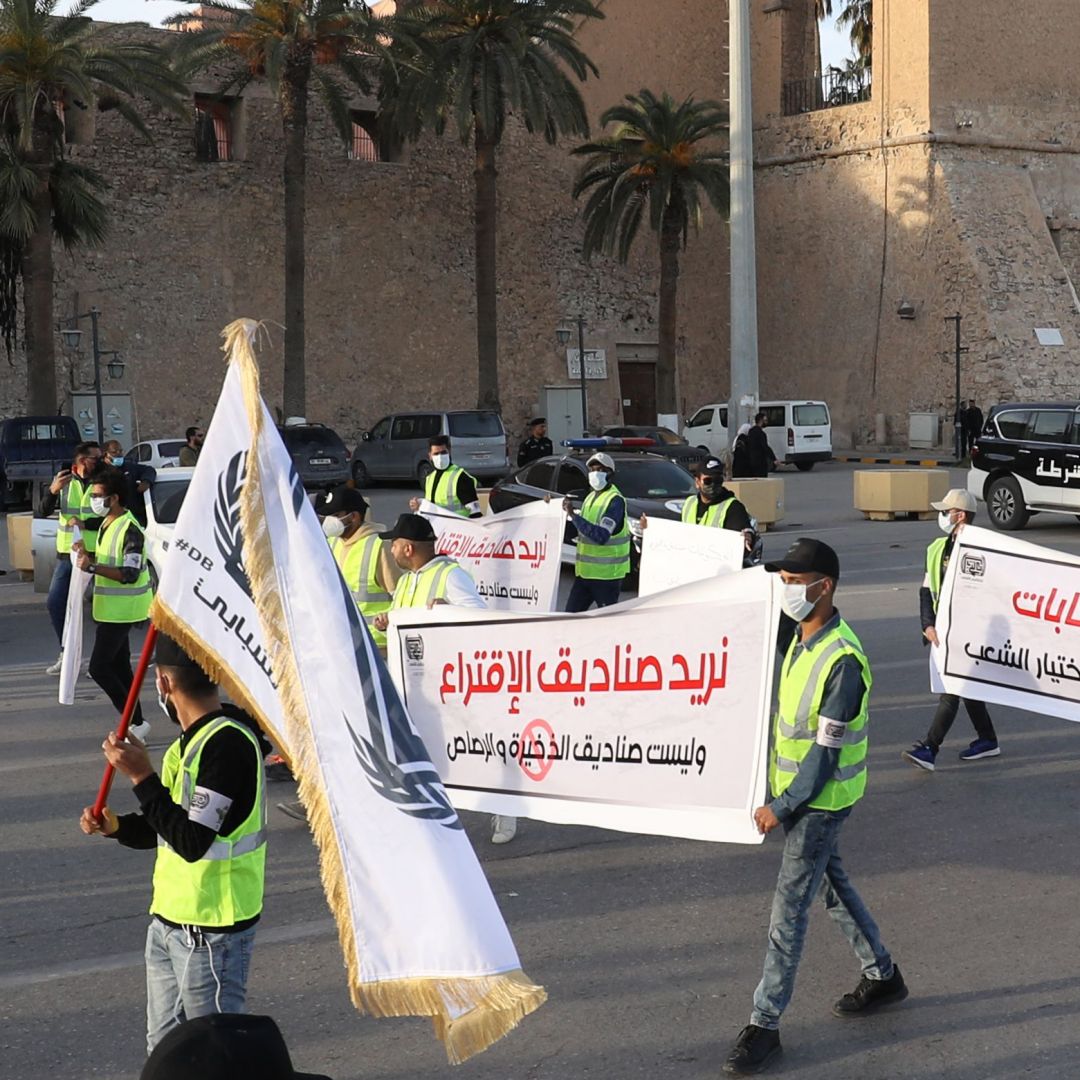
x,y
294,45
858,17
470,63
47,62
655,160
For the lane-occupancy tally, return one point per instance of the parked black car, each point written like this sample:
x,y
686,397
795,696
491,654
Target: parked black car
x,y
318,453
1027,461
652,485
669,444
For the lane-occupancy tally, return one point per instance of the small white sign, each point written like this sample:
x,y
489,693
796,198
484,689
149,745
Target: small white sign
x,y
1049,335
595,364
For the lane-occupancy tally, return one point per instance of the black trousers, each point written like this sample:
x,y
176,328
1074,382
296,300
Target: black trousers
x,y
110,665
948,707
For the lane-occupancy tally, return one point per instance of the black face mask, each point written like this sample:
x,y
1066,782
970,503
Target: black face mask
x,y
709,487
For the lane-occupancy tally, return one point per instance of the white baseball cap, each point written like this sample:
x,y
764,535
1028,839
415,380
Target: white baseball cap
x,y
601,458
957,499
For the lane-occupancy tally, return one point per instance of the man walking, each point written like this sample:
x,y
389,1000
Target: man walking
x,y
448,486
189,453
206,816
817,774
973,420
122,592
537,445
760,456
602,560
955,511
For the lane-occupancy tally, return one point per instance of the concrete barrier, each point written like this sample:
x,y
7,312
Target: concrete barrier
x,y
886,494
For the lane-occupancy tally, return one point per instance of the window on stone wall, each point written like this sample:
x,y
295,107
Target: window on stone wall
x,y
369,142
215,123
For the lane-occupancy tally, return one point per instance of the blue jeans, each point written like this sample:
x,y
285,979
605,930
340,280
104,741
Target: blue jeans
x,y
585,591
811,865
193,975
56,602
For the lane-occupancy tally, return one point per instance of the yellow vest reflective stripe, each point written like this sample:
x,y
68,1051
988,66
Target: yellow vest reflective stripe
x,y
115,602
446,480
715,515
802,686
933,567
603,562
359,564
226,885
418,588
74,508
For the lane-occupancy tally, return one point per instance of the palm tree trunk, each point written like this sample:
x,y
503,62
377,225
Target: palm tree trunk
x,y
670,238
293,101
36,270
487,340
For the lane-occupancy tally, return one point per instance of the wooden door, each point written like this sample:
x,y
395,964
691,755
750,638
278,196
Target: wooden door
x,y
637,388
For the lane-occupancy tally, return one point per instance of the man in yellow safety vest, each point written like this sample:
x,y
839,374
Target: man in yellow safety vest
x,y
431,579
122,590
602,559
206,816
448,486
817,774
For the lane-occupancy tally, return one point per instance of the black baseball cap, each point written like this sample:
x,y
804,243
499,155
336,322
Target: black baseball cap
x,y
808,556
537,420
712,467
412,527
169,654
341,500
223,1046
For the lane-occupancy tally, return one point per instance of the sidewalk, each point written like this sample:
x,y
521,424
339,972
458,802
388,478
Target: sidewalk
x,y
886,455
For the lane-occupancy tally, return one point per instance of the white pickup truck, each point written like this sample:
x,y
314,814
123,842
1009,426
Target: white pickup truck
x,y
163,502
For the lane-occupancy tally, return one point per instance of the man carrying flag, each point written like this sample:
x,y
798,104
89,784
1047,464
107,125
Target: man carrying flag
x,y
206,816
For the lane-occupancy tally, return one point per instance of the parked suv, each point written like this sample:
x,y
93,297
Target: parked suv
x,y
1027,460
318,453
396,448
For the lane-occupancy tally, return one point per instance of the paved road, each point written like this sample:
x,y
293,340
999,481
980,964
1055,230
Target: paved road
x,y
650,948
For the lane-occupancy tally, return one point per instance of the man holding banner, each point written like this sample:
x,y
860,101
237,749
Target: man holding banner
x,y
955,511
602,560
206,816
818,773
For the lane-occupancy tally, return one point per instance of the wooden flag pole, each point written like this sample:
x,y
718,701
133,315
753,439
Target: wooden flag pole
x,y
125,718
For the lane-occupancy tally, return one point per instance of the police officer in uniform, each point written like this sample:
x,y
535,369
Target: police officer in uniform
x,y
602,560
537,445
122,591
448,486
817,774
69,492
431,579
206,816
955,511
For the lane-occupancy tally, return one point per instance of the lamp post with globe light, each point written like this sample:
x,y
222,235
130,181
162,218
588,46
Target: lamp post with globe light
x,y
72,336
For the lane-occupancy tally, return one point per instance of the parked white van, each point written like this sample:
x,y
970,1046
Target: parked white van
x,y
799,432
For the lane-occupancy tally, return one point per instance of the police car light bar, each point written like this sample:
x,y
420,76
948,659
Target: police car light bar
x,y
604,442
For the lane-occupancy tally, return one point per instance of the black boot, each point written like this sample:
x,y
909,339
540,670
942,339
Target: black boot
x,y
871,995
753,1050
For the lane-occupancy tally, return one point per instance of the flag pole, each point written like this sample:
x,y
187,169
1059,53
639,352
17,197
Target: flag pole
x,y
125,717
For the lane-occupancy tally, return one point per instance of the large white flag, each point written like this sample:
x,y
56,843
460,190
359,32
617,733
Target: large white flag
x,y
252,592
1009,624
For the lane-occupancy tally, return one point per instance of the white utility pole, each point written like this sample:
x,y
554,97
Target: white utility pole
x,y
743,399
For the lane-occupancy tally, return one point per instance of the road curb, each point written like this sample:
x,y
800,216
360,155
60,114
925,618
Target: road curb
x,y
922,463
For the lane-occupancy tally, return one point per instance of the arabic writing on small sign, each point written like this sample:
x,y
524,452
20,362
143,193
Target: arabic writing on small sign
x,y
534,745
497,589
1044,608
475,549
513,672
1053,667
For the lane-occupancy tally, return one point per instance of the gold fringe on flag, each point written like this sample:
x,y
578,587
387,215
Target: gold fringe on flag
x,y
469,1014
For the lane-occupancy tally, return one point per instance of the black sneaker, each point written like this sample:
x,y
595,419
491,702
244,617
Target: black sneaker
x,y
871,995
753,1050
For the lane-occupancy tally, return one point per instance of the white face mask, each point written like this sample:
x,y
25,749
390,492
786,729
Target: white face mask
x,y
795,601
597,479
118,460
99,505
333,526
441,461
945,522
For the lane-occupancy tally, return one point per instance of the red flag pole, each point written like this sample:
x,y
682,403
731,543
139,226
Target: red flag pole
x,y
125,718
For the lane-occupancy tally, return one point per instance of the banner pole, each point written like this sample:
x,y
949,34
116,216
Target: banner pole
x,y
125,718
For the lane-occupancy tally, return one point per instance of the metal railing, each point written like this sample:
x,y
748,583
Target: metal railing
x,y
827,91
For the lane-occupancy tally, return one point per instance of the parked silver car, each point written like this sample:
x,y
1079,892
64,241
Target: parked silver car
x,y
396,448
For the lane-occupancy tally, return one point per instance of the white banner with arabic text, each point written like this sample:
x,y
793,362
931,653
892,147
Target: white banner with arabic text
x,y
651,716
674,553
1009,624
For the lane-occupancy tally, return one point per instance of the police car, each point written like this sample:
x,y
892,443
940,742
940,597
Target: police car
x,y
1027,461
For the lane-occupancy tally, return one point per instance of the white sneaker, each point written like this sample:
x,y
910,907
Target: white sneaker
x,y
140,731
54,669
503,829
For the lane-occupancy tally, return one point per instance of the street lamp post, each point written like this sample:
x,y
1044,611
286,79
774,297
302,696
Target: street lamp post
x,y
72,336
957,439
563,335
